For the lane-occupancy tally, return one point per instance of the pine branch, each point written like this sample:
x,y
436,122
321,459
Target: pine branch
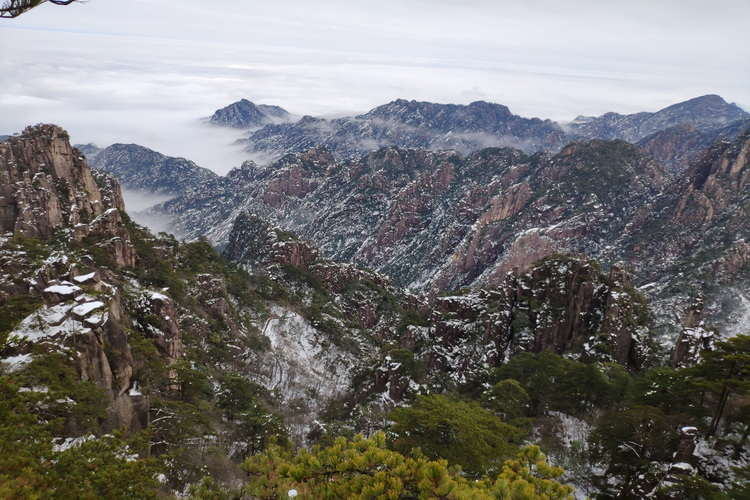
x,y
14,8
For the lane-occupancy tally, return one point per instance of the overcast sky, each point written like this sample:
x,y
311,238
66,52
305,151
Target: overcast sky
x,y
144,71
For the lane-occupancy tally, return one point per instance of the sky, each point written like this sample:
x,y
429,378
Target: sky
x,y
147,71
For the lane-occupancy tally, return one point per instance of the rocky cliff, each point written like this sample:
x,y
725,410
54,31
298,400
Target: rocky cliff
x,y
113,328
561,304
46,187
690,241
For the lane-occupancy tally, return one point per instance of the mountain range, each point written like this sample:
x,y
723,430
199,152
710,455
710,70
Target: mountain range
x,y
436,221
576,284
468,128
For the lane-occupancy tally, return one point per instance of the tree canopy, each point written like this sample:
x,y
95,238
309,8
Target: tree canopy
x,y
462,432
366,468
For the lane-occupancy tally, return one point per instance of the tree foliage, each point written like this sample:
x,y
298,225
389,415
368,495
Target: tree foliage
x,y
462,432
35,464
366,468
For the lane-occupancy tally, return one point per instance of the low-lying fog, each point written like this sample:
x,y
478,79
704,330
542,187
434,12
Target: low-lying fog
x,y
137,204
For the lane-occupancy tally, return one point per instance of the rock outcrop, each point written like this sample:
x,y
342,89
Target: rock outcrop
x,y
47,187
53,205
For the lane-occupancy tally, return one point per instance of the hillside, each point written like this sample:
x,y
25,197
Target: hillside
x,y
142,169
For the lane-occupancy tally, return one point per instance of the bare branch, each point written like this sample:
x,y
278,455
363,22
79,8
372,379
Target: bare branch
x,y
14,8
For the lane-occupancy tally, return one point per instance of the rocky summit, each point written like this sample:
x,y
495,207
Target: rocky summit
x,y
244,114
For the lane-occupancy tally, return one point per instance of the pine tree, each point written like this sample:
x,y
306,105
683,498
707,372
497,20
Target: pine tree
x,y
365,468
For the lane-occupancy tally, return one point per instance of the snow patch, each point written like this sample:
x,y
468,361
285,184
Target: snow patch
x,y
15,363
64,290
60,444
84,277
83,310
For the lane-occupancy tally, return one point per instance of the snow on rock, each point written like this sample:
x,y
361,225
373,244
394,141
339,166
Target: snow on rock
x,y
64,290
572,429
46,323
135,391
84,277
15,363
302,360
97,319
302,365
159,296
43,389
60,444
83,310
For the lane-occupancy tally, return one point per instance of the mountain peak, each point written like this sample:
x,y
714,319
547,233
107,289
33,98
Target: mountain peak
x,y
47,186
704,112
707,98
246,114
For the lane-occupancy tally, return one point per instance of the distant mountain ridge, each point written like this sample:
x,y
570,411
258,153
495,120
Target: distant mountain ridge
x,y
480,124
411,124
140,168
703,113
246,114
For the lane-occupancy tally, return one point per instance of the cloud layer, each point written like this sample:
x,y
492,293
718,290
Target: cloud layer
x,y
144,71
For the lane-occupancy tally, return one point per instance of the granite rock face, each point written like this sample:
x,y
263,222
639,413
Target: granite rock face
x,y
47,187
